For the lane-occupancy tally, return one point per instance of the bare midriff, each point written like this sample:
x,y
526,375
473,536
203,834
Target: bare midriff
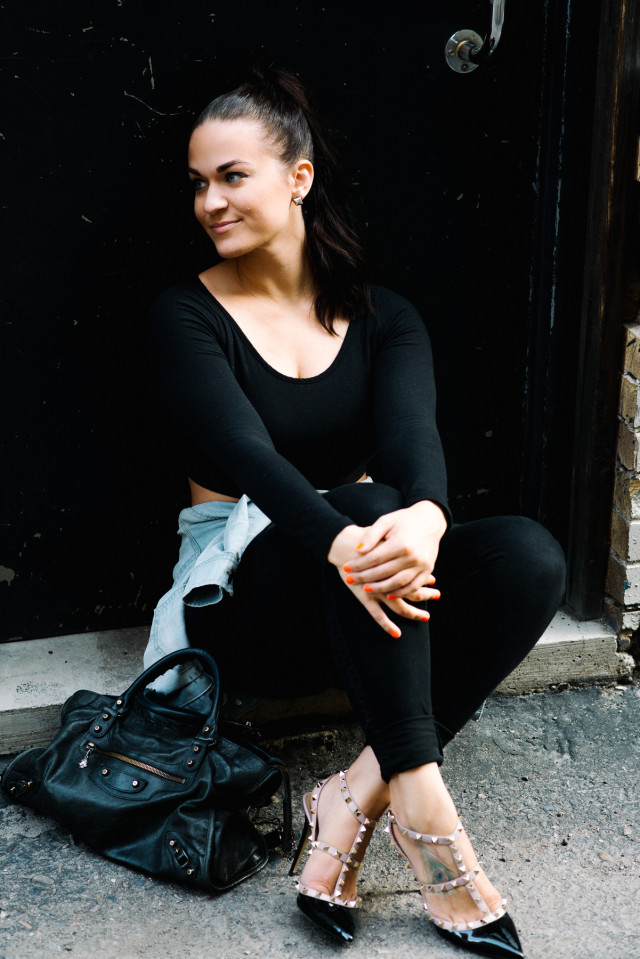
x,y
199,494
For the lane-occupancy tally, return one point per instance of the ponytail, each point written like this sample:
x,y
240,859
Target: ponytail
x,y
278,100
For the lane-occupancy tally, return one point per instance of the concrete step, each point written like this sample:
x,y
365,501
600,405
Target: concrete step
x,y
37,676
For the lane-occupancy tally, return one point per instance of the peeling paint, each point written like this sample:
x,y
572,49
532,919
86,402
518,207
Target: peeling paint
x,y
159,112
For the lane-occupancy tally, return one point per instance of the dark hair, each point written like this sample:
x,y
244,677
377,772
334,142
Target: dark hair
x,y
278,100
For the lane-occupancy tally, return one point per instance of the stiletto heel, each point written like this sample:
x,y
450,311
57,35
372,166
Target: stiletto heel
x,y
494,934
334,915
304,835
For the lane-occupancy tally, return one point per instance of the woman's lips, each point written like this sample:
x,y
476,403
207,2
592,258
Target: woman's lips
x,y
223,226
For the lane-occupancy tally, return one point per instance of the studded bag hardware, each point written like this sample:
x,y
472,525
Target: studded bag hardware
x,y
158,787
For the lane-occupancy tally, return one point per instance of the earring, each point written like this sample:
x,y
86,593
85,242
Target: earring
x,y
297,200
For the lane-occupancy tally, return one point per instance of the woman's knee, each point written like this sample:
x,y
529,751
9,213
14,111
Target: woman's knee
x,y
365,502
531,551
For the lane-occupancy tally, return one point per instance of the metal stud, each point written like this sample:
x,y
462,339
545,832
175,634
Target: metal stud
x,y
190,762
207,729
135,783
97,729
118,702
196,749
190,872
172,842
105,772
105,715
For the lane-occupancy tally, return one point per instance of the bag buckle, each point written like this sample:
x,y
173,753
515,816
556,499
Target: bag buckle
x,y
181,857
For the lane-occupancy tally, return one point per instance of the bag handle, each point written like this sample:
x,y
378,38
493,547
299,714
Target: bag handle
x,y
125,702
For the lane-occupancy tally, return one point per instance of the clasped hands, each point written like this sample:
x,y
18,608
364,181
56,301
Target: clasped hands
x,y
390,563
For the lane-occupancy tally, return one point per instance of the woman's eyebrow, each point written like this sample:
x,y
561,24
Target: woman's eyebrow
x,y
220,169
225,166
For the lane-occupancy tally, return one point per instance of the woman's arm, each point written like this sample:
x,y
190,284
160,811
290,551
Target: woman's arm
x,y
208,405
395,557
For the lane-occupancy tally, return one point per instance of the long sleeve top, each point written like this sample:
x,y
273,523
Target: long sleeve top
x,y
249,429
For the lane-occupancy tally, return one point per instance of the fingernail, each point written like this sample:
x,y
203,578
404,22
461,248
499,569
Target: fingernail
x,y
390,597
347,569
368,589
431,580
360,545
437,595
425,619
396,634
349,580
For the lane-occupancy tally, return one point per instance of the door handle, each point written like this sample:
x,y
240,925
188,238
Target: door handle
x,y
466,50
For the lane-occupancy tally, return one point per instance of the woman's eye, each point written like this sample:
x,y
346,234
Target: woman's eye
x,y
197,183
234,177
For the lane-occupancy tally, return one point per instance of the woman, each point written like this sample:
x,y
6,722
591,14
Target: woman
x,y
285,373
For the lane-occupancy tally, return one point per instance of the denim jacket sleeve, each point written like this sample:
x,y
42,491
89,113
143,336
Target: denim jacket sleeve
x,y
213,537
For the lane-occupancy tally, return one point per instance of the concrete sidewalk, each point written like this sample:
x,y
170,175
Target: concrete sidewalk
x,y
548,786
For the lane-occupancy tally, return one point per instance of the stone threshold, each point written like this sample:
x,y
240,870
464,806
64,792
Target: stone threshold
x,y
38,675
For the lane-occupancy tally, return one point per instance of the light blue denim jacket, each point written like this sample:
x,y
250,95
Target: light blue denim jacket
x,y
213,537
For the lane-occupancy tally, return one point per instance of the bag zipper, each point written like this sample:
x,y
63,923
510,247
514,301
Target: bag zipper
x,y
92,748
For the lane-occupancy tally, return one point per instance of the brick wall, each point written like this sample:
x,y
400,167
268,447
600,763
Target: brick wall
x,y
622,601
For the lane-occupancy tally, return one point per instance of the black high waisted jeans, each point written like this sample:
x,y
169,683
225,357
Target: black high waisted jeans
x,y
292,627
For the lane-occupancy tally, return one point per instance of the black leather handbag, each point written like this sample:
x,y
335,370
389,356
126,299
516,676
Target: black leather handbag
x,y
156,787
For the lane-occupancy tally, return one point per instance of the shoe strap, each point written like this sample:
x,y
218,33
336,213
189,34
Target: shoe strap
x,y
344,857
457,883
350,860
465,878
474,924
335,899
425,837
352,804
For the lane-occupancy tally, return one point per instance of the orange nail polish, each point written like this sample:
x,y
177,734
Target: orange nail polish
x,y
349,580
368,589
391,597
431,580
437,595
396,634
425,619
347,569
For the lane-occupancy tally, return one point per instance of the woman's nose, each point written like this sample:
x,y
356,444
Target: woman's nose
x,y
214,199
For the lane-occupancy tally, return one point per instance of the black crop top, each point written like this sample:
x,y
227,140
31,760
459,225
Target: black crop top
x,y
249,429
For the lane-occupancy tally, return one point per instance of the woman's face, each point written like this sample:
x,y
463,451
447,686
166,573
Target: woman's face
x,y
243,191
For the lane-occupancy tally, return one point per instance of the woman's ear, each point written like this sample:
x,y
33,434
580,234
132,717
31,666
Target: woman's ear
x,y
301,178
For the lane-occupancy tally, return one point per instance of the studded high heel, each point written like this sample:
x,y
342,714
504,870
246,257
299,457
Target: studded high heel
x,y
332,913
494,933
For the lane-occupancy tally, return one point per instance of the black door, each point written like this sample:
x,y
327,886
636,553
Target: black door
x,y
464,183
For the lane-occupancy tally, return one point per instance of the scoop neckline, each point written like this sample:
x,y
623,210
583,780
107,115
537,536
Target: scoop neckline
x,y
260,357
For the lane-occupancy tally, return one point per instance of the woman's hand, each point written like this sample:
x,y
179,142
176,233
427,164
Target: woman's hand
x,y
392,561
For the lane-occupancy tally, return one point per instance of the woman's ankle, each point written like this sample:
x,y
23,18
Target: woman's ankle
x,y
368,789
421,801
